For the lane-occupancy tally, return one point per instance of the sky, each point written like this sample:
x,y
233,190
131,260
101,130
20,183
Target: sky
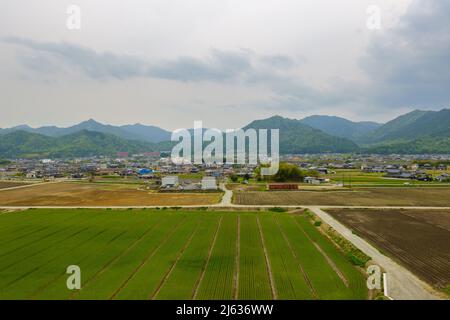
x,y
228,62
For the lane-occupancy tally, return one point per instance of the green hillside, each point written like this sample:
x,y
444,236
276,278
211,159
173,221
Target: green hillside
x,y
80,144
296,137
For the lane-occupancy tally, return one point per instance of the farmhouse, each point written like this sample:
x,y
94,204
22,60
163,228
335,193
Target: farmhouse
x,y
209,183
443,177
169,181
314,180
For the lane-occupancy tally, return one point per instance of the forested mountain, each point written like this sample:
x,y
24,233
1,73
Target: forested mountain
x,y
341,127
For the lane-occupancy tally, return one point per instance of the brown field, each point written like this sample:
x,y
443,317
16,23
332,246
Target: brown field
x,y
420,240
10,184
439,197
88,194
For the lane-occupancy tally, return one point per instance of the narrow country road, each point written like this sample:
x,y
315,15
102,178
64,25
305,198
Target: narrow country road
x,y
29,185
226,199
402,284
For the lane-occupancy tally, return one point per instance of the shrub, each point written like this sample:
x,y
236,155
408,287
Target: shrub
x,y
357,261
317,223
277,209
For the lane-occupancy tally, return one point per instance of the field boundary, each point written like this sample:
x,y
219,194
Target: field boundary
x,y
211,248
146,258
237,259
268,267
153,295
404,285
28,185
114,238
113,260
46,285
327,258
73,234
297,260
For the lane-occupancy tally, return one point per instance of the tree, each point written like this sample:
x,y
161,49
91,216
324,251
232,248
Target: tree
x,y
288,172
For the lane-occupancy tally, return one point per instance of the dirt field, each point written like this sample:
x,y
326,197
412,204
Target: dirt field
x,y
355,197
420,240
10,184
86,194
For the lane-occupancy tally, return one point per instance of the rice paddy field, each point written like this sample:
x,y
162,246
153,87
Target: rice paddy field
x,y
171,254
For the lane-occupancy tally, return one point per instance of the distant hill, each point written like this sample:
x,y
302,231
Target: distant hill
x,y
297,137
341,127
131,132
23,144
394,128
415,132
147,133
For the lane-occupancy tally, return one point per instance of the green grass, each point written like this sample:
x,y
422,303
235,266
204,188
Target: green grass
x,y
357,178
169,254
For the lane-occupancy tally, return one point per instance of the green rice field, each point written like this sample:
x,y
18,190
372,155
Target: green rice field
x,y
171,254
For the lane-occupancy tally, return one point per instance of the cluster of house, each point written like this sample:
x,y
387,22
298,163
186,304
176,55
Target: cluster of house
x,y
414,171
173,183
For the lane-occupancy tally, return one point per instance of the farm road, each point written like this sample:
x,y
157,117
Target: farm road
x,y
402,284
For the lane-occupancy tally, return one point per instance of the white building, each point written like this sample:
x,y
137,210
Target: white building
x,y
169,181
209,183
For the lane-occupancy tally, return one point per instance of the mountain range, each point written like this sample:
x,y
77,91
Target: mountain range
x,y
130,132
413,133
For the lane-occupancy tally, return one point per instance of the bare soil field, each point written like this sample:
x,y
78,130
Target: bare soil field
x,y
420,240
439,197
87,194
10,184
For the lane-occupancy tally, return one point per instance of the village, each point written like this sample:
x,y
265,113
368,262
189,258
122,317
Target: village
x,y
156,170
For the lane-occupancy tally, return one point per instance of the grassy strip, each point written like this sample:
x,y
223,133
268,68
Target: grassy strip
x,y
355,278
353,254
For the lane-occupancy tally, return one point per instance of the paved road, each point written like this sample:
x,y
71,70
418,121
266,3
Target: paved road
x,y
402,284
227,196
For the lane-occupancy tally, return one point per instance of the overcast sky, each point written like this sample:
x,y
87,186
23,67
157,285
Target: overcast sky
x,y
226,62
